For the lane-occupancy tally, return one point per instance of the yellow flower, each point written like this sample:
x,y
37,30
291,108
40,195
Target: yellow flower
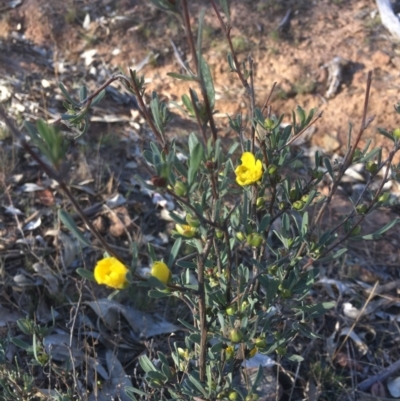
x,y
161,271
250,171
185,230
110,271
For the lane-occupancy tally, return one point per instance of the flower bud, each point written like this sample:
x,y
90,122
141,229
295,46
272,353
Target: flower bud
x,y
186,231
362,208
193,221
272,169
233,395
396,133
281,350
161,271
357,154
304,198
372,167
384,197
293,194
180,188
236,336
298,205
356,231
317,175
229,352
254,239
282,205
269,123
231,310
260,342
240,236
260,202
219,234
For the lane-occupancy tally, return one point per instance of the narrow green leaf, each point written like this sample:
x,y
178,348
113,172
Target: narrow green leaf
x,y
66,94
329,167
146,364
198,385
196,156
98,98
208,81
174,252
72,227
181,76
378,234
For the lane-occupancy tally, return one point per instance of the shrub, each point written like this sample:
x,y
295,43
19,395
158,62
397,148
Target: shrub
x,y
254,227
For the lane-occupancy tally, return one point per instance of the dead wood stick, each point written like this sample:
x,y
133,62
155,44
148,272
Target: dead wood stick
x,y
389,19
383,375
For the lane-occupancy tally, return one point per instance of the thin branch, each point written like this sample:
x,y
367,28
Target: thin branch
x,y
146,113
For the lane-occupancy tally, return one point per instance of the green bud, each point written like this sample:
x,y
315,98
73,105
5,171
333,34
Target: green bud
x,y
254,239
233,395
236,336
372,167
269,123
273,269
254,397
317,175
281,350
384,197
293,194
240,236
231,310
396,133
244,306
304,198
298,205
282,205
272,169
260,202
362,208
286,293
193,221
357,154
260,342
219,234
180,188
356,231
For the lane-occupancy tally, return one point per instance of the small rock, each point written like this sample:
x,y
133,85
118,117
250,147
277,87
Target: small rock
x,y
330,143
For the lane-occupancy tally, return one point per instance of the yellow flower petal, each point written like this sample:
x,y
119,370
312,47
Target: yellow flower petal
x,y
185,230
161,271
111,272
250,171
248,159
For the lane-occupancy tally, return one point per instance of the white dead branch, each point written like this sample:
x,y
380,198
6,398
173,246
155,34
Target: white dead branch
x,y
389,19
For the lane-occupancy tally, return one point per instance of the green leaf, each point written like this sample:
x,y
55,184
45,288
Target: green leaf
x,y
264,223
196,156
329,167
174,252
157,294
181,76
87,274
82,93
198,385
225,8
98,98
157,376
295,358
146,364
21,344
336,255
378,234
66,94
69,222
208,81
